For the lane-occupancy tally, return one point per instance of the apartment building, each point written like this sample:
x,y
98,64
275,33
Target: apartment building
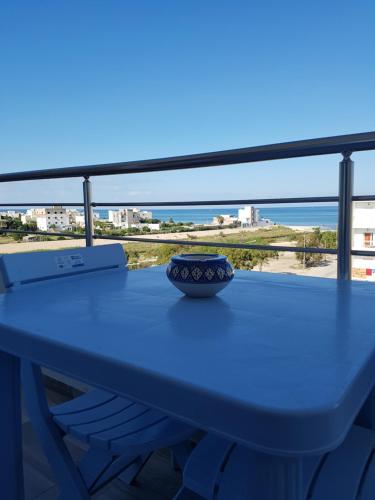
x,y
54,217
363,238
248,216
128,217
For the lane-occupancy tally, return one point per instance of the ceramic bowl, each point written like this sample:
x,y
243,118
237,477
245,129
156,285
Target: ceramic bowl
x,y
200,275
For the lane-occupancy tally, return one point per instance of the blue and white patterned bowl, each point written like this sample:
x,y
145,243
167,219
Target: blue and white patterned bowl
x,y
200,275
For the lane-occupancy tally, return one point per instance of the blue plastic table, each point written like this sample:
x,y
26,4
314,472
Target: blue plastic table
x,y
279,363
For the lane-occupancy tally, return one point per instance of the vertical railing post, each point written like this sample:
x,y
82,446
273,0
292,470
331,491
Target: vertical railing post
x,y
344,234
87,200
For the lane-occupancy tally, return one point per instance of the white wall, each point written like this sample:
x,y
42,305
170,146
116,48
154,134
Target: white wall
x,y
364,215
363,222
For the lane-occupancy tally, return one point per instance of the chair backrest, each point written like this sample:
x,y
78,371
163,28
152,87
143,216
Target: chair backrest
x,y
23,268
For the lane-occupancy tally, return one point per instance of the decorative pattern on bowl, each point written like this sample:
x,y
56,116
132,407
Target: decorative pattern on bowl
x,y
200,275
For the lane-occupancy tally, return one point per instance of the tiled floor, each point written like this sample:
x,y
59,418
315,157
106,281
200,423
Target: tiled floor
x,y
157,481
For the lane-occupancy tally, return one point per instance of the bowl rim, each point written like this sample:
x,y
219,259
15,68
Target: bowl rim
x,y
198,257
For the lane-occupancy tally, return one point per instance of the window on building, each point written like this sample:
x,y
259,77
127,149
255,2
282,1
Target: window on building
x,y
368,239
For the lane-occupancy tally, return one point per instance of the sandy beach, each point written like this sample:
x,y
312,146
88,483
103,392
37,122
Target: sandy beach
x,y
32,246
287,263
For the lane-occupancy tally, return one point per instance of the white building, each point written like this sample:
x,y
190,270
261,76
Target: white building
x,y
76,218
224,219
143,214
123,218
79,220
363,238
54,217
11,213
248,216
4,217
153,226
128,217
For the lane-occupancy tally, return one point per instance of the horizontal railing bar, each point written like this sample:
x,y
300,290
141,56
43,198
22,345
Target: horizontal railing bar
x,y
255,201
262,201
43,233
311,147
370,197
181,242
43,204
364,253
220,245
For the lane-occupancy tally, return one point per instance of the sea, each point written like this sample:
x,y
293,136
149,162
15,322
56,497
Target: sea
x,y
322,216
316,215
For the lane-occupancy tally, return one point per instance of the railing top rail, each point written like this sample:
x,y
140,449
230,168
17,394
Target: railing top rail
x,y
187,203
311,147
255,201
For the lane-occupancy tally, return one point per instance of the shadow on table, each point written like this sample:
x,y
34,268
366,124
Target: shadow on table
x,y
201,318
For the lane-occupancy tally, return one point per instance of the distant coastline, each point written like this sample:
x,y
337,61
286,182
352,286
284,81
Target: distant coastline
x,y
317,216
322,216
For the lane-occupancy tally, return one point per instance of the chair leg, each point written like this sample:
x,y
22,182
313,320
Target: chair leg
x,y
131,473
11,469
69,480
180,454
185,494
366,417
120,465
93,464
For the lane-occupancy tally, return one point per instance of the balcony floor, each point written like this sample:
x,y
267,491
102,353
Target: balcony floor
x,y
156,482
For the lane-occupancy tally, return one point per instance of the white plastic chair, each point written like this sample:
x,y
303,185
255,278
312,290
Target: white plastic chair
x,y
120,434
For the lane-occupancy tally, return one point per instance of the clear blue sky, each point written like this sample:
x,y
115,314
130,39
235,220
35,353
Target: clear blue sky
x,y
87,81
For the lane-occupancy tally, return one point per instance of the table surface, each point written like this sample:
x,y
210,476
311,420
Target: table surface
x,y
278,362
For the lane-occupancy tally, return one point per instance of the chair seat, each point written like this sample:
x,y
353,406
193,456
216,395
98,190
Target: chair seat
x,y
225,471
118,425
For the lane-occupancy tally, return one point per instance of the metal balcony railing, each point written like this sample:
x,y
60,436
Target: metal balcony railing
x,y
344,144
